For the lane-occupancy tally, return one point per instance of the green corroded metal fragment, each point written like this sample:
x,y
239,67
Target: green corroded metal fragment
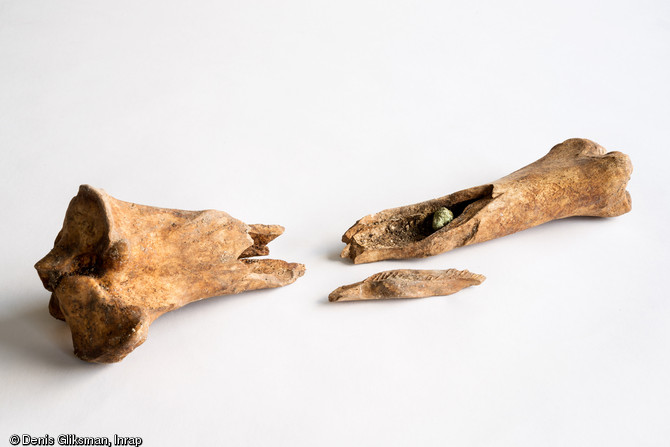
x,y
442,217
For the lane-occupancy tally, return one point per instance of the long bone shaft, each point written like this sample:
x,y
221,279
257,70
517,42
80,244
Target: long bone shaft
x,y
576,178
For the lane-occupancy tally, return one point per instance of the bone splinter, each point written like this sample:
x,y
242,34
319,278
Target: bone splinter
x,y
407,284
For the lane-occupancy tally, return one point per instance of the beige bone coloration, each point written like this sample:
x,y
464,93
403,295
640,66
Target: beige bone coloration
x,y
117,266
576,178
407,284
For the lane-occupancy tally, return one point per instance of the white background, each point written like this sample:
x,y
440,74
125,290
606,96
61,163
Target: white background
x,y
311,114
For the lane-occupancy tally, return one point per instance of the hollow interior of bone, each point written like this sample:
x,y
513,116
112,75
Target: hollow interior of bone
x,y
417,225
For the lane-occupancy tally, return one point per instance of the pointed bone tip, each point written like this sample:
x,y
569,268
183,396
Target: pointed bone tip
x,y
352,230
261,235
349,292
266,229
340,294
297,269
476,278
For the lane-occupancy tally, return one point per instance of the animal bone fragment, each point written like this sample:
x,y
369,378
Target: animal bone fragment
x,y
407,284
576,178
117,266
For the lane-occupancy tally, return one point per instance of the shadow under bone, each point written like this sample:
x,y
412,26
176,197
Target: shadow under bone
x,y
31,335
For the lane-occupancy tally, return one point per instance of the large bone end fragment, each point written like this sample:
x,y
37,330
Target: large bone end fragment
x,y
117,266
407,284
576,178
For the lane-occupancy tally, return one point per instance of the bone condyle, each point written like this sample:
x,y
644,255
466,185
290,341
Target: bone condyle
x,y
576,178
117,266
407,284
